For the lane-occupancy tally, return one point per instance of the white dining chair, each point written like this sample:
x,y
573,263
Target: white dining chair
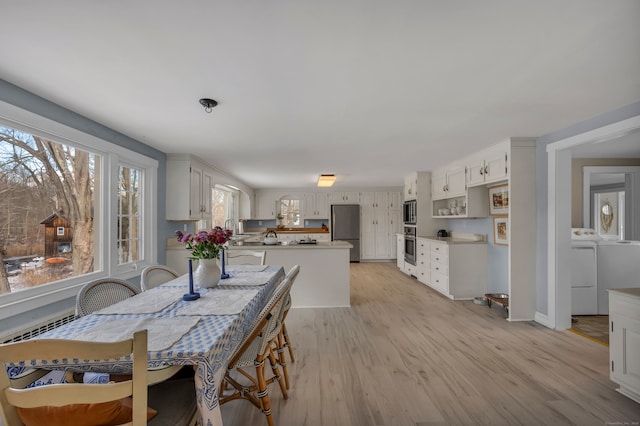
x,y
154,275
243,257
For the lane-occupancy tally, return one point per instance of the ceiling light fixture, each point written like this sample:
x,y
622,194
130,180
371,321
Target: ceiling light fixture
x,y
208,104
326,181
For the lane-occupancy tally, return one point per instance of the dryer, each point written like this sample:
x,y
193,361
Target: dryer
x,y
584,271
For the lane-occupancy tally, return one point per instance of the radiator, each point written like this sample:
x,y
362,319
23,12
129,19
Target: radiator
x,y
39,328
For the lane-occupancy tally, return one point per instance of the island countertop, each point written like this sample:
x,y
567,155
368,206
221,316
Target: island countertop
x,y
288,245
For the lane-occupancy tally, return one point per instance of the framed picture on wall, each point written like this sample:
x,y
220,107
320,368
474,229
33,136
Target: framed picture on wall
x,y
499,200
501,231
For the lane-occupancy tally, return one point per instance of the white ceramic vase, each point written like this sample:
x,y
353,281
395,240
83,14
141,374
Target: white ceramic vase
x,y
207,273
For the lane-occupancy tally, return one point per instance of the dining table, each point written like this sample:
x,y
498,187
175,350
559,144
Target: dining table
x,y
204,332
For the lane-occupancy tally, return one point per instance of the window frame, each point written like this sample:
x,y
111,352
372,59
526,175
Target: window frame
x,y
105,256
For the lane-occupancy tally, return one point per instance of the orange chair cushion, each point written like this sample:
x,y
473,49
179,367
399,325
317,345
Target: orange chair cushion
x,y
103,414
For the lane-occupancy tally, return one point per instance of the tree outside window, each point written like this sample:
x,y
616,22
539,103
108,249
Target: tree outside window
x,y
40,177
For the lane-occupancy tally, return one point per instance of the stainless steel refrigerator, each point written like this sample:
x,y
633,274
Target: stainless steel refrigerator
x,y
345,226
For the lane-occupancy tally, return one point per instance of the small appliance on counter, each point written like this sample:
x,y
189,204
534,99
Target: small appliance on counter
x,y
270,239
442,233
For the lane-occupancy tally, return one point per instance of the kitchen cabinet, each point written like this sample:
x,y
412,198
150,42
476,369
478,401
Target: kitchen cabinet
x,y
449,182
189,188
487,166
266,205
400,251
379,224
458,269
624,340
395,200
348,197
411,186
423,260
315,205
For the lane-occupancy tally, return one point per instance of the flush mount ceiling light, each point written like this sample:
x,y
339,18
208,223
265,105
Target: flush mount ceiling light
x,y
326,180
208,104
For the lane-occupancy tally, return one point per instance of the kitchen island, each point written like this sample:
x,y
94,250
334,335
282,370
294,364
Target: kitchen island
x,y
323,281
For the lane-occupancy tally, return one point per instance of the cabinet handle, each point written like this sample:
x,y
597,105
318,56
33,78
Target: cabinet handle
x,y
486,170
481,171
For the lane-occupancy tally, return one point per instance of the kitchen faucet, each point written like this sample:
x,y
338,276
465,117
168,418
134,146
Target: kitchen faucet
x,y
232,225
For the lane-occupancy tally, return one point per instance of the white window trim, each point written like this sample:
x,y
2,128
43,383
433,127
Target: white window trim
x,y
113,155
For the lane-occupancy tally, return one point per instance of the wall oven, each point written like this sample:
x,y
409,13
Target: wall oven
x,y
409,212
410,245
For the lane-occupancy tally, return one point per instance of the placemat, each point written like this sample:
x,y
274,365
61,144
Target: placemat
x,y
242,278
162,333
218,302
146,302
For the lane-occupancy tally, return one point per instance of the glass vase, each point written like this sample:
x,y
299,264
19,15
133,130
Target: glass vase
x,y
207,273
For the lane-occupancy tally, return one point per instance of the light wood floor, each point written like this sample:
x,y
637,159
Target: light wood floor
x,y
404,355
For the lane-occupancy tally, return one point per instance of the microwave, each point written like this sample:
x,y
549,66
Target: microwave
x,y
409,213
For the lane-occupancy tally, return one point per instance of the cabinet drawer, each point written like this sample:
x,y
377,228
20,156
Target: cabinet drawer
x,y
439,258
440,268
423,274
440,282
440,248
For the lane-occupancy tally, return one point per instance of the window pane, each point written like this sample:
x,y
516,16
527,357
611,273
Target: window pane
x,y
222,206
47,206
129,226
290,211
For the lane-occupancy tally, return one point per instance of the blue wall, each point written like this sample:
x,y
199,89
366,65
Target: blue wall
x,y
497,255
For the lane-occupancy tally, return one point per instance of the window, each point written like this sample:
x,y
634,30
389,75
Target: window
x,y
73,208
129,218
224,205
290,213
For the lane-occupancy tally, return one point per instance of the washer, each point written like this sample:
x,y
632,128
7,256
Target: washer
x,y
584,277
618,267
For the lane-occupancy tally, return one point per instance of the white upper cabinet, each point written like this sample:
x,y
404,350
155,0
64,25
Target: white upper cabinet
x,y
316,205
448,182
348,197
193,202
487,166
266,205
411,186
395,200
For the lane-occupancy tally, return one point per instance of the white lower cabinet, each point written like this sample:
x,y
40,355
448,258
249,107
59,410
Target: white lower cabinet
x,y
624,340
400,251
423,260
458,270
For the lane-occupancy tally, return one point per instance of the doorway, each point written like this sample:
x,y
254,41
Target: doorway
x,y
559,214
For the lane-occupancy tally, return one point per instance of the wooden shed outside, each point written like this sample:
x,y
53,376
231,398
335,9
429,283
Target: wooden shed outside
x,y
58,235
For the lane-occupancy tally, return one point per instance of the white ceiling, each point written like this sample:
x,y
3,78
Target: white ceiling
x,y
366,89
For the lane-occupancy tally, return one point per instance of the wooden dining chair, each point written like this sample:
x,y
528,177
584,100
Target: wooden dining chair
x,y
102,293
171,403
283,340
44,404
241,257
258,347
154,275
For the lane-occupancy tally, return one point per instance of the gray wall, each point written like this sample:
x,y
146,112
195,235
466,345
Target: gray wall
x,y
601,120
